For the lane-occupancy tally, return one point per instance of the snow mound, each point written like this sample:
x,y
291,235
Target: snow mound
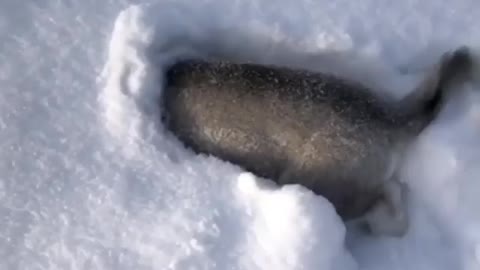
x,y
214,215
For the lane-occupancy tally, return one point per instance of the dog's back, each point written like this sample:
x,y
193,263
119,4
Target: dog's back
x,y
268,119
333,136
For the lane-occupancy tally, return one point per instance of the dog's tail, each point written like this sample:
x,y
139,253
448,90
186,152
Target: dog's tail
x,y
429,97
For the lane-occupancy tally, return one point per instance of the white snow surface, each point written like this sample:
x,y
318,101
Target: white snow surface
x,y
89,178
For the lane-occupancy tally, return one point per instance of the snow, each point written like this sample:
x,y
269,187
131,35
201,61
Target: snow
x,y
91,180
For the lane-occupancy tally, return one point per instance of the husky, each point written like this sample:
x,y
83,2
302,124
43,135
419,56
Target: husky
x,y
293,126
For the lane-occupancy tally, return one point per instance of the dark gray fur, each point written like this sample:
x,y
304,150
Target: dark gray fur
x,y
328,134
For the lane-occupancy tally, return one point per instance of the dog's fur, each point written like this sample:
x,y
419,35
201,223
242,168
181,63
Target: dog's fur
x,y
328,134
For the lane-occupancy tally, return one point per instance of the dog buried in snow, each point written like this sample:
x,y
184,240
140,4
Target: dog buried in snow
x,y
335,137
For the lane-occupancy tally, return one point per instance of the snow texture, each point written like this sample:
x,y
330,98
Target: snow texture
x,y
89,178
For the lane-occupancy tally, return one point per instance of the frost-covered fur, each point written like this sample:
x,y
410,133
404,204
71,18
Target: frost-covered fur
x,y
326,133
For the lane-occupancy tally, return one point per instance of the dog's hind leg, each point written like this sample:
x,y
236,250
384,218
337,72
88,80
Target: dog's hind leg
x,y
389,216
